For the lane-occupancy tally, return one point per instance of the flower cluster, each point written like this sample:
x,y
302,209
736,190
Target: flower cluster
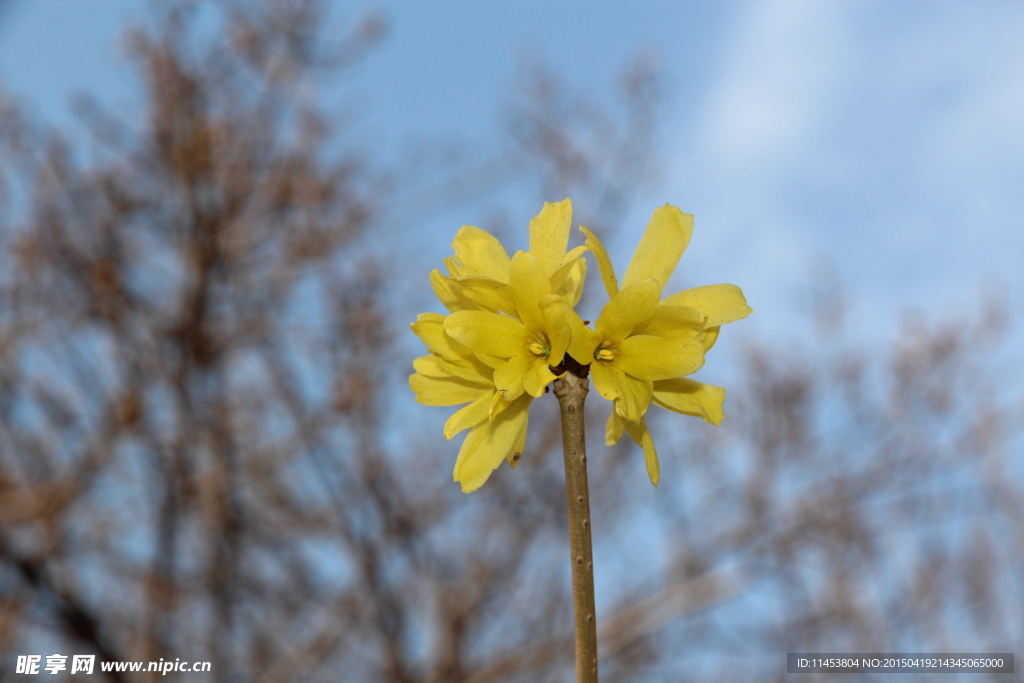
x,y
511,322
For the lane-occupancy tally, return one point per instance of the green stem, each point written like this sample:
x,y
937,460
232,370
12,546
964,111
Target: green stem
x,y
571,391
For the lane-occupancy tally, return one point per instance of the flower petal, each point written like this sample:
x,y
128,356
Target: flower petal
x,y
642,437
451,357
471,370
508,379
453,266
572,287
489,443
529,285
433,391
660,248
429,327
627,309
488,294
652,358
469,415
565,266
689,397
708,337
449,293
485,332
537,377
720,303
604,264
518,446
613,429
498,404
480,253
549,234
558,326
606,380
584,340
634,397
428,367
669,320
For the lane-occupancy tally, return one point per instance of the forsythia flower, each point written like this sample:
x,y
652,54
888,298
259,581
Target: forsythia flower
x,y
509,324
643,346
451,375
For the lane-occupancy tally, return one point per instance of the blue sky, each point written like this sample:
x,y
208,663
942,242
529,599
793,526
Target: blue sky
x,y
886,138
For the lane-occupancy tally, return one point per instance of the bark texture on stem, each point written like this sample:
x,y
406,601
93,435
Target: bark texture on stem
x,y
571,391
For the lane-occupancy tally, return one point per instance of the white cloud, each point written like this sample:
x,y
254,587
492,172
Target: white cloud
x,y
778,76
883,136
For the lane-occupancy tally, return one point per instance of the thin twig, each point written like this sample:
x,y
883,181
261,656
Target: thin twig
x,y
571,391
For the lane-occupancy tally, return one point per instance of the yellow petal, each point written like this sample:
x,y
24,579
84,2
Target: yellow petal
x,y
529,285
606,380
489,443
652,358
669,320
565,266
720,303
469,415
537,376
557,326
453,266
572,287
631,395
452,358
427,366
626,310
488,294
634,397
480,253
691,398
471,370
549,234
604,264
660,248
584,340
493,362
613,429
508,379
642,437
433,391
485,332
449,293
498,404
427,318
518,446
709,337
429,327
651,457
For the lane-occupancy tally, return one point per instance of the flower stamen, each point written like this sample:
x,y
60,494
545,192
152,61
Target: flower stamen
x,y
539,345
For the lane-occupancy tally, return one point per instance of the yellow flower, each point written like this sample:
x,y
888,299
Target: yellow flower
x,y
509,322
641,348
478,273
452,375
523,346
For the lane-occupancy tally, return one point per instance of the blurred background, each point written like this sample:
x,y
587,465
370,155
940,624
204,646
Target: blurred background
x,y
218,218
